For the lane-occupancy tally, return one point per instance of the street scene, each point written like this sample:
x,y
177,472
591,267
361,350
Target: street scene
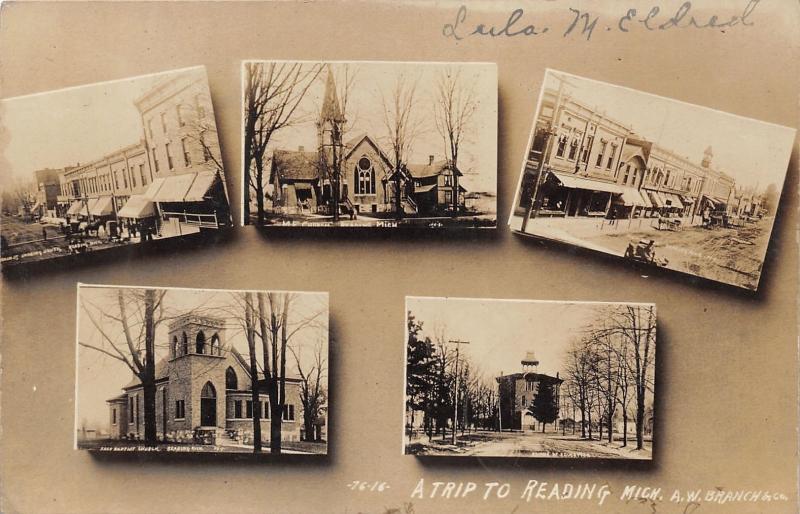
x,y
118,163
370,144
545,379
193,370
652,180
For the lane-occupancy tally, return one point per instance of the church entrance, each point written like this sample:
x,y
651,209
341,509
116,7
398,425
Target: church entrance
x,y
208,406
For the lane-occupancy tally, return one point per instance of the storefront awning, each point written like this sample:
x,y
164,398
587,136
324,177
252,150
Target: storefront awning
x,y
631,197
200,187
174,189
153,189
664,200
101,206
137,207
424,189
76,208
687,200
646,199
657,202
676,201
573,182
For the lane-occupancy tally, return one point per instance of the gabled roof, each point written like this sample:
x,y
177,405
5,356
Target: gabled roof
x,y
353,143
294,165
430,170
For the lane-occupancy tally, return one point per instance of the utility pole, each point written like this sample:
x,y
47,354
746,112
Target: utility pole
x,y
458,343
499,410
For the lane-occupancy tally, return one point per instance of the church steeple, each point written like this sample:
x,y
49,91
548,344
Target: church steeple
x,y
331,110
331,118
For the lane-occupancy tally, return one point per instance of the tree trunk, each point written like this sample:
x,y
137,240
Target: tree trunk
x,y
250,333
624,427
149,379
640,418
398,200
260,190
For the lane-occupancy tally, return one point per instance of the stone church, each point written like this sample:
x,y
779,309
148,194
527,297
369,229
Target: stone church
x,y
303,181
204,385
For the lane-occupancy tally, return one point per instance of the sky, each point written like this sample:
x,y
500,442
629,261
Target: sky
x,y
501,332
373,81
753,152
100,377
59,128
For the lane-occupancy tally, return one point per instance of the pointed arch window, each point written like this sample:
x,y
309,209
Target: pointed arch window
x,y
364,177
231,380
184,344
174,347
200,343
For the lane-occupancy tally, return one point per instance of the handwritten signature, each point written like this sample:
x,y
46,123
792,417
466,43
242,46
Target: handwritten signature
x,y
584,23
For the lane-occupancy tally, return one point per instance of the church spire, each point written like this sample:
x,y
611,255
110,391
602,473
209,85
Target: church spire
x,y
331,111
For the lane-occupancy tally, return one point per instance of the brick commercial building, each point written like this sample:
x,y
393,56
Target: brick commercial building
x,y
171,180
204,385
517,392
584,162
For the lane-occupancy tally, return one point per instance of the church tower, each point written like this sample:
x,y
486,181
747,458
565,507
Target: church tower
x,y
329,141
707,156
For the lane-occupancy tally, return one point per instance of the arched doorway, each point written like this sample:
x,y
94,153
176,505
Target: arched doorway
x,y
208,406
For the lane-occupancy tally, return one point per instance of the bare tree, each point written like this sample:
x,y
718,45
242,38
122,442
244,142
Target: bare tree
x,y
272,94
313,393
403,126
454,108
128,334
277,329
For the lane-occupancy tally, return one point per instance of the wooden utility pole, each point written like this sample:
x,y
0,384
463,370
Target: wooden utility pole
x,y
458,343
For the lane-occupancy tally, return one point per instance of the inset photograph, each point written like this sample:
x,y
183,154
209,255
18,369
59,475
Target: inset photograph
x,y
525,378
369,144
194,370
651,179
95,167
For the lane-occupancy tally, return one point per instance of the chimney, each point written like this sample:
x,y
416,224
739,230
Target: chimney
x,y
301,148
430,160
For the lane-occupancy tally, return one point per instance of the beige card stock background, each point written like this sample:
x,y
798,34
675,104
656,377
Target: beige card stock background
x,y
727,362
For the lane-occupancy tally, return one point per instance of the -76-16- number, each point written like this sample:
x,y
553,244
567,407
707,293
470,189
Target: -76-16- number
x,y
358,485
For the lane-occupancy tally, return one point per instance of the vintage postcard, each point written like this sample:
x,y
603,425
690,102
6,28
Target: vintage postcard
x,y
651,179
96,167
369,144
525,378
201,370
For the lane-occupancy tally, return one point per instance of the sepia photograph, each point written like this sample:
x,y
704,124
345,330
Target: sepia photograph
x,y
525,378
105,165
369,144
201,370
651,179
